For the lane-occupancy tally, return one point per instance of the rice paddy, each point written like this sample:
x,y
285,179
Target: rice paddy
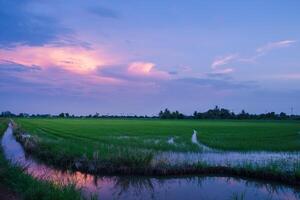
x,y
163,147
155,134
148,187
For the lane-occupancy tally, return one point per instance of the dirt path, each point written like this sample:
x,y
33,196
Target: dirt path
x,y
7,194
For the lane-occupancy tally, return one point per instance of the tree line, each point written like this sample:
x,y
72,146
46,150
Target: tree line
x,y
215,113
67,115
223,113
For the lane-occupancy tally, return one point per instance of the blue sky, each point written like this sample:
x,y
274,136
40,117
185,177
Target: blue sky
x,y
137,57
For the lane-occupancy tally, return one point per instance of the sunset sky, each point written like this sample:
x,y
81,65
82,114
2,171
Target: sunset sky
x,y
137,57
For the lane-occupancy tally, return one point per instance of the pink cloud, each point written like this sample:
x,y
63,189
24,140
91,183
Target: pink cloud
x,y
73,69
223,71
141,68
219,61
146,69
275,45
74,59
64,67
261,51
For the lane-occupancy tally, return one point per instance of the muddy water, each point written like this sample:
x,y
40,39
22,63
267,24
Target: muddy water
x,y
125,187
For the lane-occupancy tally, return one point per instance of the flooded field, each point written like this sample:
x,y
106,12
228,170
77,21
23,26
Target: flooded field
x,y
137,187
286,161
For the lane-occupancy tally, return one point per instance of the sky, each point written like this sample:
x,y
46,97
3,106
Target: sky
x,y
138,57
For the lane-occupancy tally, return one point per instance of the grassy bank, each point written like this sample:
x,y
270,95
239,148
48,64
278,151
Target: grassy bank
x,y
127,146
27,187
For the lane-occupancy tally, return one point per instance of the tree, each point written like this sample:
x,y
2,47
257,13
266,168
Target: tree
x,y
7,114
282,115
243,115
96,115
160,114
167,114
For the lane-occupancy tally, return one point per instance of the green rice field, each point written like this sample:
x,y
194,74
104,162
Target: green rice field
x,y
153,147
84,135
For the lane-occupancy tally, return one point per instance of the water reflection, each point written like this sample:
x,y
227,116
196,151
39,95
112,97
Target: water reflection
x,y
137,187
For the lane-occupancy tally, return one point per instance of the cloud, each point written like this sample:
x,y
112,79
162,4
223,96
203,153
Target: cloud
x,y
20,26
223,71
261,51
138,82
146,69
114,71
54,81
173,72
292,76
135,71
103,12
67,66
140,68
146,72
9,66
75,59
226,84
275,45
219,61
